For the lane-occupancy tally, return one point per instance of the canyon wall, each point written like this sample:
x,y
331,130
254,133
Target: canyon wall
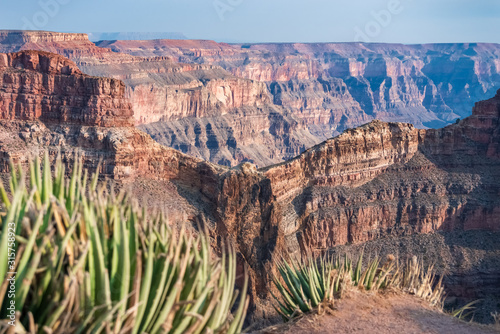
x,y
48,105
239,120
158,87
428,85
38,85
329,87
266,103
161,90
388,179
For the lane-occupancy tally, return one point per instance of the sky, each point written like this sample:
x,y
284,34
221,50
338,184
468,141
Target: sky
x,y
391,21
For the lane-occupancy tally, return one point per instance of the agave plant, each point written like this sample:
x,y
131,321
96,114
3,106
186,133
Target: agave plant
x,y
304,286
90,261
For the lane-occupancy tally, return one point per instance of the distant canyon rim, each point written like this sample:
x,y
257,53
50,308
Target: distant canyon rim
x,y
271,110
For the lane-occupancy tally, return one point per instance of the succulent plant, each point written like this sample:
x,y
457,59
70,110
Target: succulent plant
x,y
306,285
89,260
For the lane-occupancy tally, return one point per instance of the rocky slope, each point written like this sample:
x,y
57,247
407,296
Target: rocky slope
x,y
47,103
377,181
392,179
388,313
159,88
333,86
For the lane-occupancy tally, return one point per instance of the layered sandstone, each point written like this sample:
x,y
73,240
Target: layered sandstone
x,y
189,189
237,116
70,45
39,85
428,85
43,93
158,88
161,90
386,179
329,87
322,89
13,38
261,135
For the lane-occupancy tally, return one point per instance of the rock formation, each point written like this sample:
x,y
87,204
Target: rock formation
x,y
266,103
234,118
38,85
46,102
429,85
333,86
376,181
389,179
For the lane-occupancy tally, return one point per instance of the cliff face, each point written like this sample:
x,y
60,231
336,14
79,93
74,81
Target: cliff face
x,y
38,85
161,90
189,189
482,128
259,134
444,79
377,181
12,38
175,97
50,102
73,46
392,179
208,113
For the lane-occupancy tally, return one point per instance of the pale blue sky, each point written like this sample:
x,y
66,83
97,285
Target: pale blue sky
x,y
411,21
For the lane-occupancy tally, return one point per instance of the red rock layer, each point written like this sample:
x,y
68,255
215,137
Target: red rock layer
x,y
482,128
323,88
233,112
39,85
73,46
423,84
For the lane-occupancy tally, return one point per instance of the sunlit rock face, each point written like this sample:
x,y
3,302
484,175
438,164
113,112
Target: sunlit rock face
x,y
328,87
41,85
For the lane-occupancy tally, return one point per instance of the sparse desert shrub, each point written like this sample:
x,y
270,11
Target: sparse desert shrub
x,y
465,311
90,261
496,319
306,285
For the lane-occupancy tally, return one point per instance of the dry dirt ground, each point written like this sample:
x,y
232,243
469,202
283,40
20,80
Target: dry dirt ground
x,y
380,313
468,260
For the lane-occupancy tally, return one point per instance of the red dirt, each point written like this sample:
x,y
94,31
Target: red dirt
x,y
381,313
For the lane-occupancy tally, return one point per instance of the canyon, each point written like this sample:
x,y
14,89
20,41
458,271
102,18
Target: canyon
x,y
267,103
380,181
